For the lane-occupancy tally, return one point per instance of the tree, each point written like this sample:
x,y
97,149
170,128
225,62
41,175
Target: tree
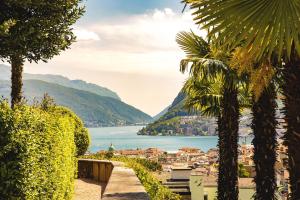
x,y
265,143
5,26
264,121
243,173
38,30
213,89
265,28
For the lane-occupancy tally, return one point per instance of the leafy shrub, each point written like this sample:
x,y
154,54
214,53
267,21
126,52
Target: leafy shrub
x,y
149,164
81,134
242,171
37,153
142,169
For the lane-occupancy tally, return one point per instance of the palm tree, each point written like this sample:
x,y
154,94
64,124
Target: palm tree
x,y
265,143
205,72
263,123
265,28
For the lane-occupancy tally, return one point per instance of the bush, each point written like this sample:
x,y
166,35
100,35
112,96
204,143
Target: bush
x,y
149,164
37,153
82,136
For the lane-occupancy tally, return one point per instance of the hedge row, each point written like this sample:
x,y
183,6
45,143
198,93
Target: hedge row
x,y
37,153
81,134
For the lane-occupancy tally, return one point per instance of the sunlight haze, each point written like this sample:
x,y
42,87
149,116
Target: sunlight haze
x,y
130,51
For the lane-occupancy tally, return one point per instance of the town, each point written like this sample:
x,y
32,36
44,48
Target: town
x,y
181,166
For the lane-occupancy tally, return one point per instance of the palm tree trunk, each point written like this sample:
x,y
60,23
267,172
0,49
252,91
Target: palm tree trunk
x,y
265,143
228,146
291,91
221,173
16,80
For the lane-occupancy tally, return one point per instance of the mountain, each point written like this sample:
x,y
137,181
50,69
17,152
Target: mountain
x,y
178,121
164,111
61,80
94,109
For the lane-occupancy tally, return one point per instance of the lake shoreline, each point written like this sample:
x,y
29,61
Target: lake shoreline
x,y
126,138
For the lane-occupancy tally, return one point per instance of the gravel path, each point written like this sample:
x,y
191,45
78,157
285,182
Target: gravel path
x,y
86,189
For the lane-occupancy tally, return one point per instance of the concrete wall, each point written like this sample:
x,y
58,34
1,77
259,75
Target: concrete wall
x,y
244,193
94,169
180,174
122,183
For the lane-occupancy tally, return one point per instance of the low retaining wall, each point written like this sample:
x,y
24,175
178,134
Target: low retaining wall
x,y
122,183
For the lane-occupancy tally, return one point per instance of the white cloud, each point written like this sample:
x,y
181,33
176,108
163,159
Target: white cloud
x,y
141,44
145,33
82,34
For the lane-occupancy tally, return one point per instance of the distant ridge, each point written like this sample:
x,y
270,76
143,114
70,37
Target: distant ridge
x,y
159,115
97,106
76,84
178,121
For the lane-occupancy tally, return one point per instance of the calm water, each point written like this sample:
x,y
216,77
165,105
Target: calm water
x,y
126,138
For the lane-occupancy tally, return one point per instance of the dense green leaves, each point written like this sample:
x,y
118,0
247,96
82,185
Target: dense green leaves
x,y
263,26
187,42
5,26
213,88
41,29
34,31
81,135
37,153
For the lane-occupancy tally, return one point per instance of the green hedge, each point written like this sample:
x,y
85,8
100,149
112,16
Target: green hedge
x,y
37,153
82,136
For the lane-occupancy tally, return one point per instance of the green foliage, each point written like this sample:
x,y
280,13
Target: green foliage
x,y
171,119
81,134
41,29
249,23
37,153
5,26
109,155
243,173
149,164
143,168
187,41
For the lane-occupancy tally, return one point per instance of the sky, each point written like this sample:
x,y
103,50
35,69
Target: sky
x,y
129,47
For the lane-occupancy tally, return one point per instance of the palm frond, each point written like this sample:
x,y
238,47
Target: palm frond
x,y
204,94
266,27
244,96
203,66
192,44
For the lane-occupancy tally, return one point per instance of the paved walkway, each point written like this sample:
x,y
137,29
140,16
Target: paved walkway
x,y
86,189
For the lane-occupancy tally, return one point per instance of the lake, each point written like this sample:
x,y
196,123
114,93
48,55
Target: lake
x,y
126,138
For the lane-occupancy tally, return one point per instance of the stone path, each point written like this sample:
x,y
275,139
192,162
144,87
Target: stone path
x,y
86,189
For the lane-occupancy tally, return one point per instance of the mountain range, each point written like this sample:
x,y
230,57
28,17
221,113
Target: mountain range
x,y
96,105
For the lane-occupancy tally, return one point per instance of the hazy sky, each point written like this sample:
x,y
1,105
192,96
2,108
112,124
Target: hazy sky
x,y
129,47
